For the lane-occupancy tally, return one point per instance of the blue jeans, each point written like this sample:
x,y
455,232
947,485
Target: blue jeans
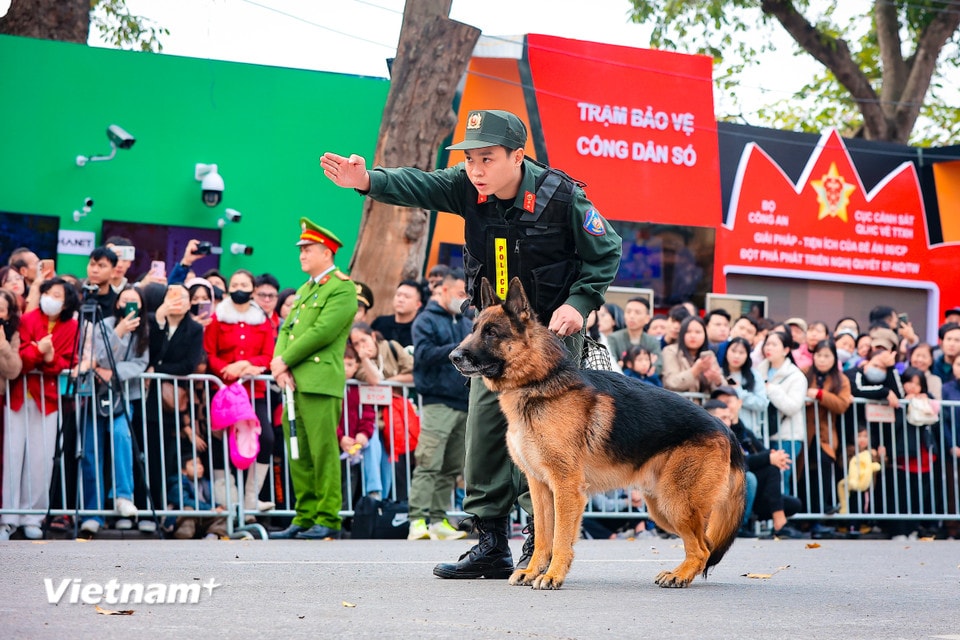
x,y
95,438
751,481
376,468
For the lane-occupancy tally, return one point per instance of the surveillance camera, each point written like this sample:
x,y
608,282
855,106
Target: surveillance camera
x,y
233,215
119,137
211,184
88,202
236,249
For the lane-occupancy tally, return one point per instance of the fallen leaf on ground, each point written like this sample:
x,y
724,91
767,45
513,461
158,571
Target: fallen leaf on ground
x,y
348,604
108,612
765,576
813,545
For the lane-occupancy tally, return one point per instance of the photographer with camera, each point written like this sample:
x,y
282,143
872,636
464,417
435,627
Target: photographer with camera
x,y
195,250
105,425
126,253
100,268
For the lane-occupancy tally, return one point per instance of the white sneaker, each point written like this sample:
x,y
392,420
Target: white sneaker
x,y
32,532
5,531
147,526
90,526
126,508
444,531
211,536
123,524
418,530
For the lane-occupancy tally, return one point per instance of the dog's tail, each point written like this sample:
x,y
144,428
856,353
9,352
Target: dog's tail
x,y
727,515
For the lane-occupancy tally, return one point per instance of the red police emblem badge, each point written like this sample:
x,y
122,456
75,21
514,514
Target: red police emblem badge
x,y
529,201
481,198
474,121
593,223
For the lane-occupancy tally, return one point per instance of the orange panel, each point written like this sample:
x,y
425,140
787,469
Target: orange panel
x,y
946,177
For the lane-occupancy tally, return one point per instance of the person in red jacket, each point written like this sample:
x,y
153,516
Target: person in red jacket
x,y
48,337
239,342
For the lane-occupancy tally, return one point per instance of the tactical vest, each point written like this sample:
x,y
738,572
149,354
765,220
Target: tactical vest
x,y
538,246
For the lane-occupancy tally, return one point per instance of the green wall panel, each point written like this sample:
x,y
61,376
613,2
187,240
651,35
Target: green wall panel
x,y
264,127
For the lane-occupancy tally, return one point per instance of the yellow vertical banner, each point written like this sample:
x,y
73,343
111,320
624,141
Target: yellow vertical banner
x,y
500,275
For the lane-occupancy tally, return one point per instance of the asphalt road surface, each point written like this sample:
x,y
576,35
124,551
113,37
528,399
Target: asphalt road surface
x,y
385,589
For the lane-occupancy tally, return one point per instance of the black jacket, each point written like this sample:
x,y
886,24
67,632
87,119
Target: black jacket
x,y
435,334
180,353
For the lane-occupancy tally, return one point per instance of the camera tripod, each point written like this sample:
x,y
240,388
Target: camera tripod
x,y
82,387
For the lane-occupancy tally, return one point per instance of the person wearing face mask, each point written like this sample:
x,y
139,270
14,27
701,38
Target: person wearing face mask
x,y
47,339
443,423
239,343
846,342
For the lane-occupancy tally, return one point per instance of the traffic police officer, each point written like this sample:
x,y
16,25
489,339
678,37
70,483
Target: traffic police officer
x,y
309,357
521,219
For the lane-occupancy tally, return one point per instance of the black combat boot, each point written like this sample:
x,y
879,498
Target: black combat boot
x,y
527,551
489,558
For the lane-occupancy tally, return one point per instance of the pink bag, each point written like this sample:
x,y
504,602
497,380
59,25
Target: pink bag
x,y
231,409
244,440
230,405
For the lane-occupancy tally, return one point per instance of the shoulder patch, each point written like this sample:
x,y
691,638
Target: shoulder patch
x,y
593,223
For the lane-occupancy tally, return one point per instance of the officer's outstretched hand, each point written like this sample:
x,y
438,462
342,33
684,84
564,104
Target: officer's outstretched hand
x,y
346,172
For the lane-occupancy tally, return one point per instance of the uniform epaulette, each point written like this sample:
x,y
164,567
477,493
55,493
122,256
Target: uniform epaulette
x,y
341,275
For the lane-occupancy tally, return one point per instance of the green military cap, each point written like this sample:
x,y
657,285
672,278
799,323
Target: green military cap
x,y
492,128
311,233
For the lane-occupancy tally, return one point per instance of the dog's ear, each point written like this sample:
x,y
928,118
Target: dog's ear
x,y
516,303
488,297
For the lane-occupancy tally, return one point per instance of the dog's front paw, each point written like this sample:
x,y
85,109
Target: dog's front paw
x,y
669,579
522,577
546,581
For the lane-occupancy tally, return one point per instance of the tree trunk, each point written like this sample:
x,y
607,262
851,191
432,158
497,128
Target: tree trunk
x,y
64,20
432,56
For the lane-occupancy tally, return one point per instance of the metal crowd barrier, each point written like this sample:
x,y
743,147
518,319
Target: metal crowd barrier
x,y
169,406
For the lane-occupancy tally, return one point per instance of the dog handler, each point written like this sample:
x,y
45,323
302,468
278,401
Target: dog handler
x,y
309,358
521,219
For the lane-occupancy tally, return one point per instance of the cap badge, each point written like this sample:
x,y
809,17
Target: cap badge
x,y
474,121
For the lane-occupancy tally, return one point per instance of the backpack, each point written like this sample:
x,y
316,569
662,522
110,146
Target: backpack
x,y
380,519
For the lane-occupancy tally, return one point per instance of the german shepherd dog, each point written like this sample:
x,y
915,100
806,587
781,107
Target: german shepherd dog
x,y
575,432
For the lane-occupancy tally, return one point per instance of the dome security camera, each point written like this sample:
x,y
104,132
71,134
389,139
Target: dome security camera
x,y
211,184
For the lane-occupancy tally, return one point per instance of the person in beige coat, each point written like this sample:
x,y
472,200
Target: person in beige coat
x,y
10,365
689,366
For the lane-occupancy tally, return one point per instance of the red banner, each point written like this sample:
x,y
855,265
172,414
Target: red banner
x,y
636,125
827,226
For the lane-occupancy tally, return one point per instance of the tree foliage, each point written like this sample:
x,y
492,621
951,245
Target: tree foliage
x,y
880,76
71,21
123,29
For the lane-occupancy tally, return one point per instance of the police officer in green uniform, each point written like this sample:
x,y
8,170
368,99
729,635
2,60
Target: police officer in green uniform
x,y
521,219
309,358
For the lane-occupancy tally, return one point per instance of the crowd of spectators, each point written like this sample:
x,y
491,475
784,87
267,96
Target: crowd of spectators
x,y
787,390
